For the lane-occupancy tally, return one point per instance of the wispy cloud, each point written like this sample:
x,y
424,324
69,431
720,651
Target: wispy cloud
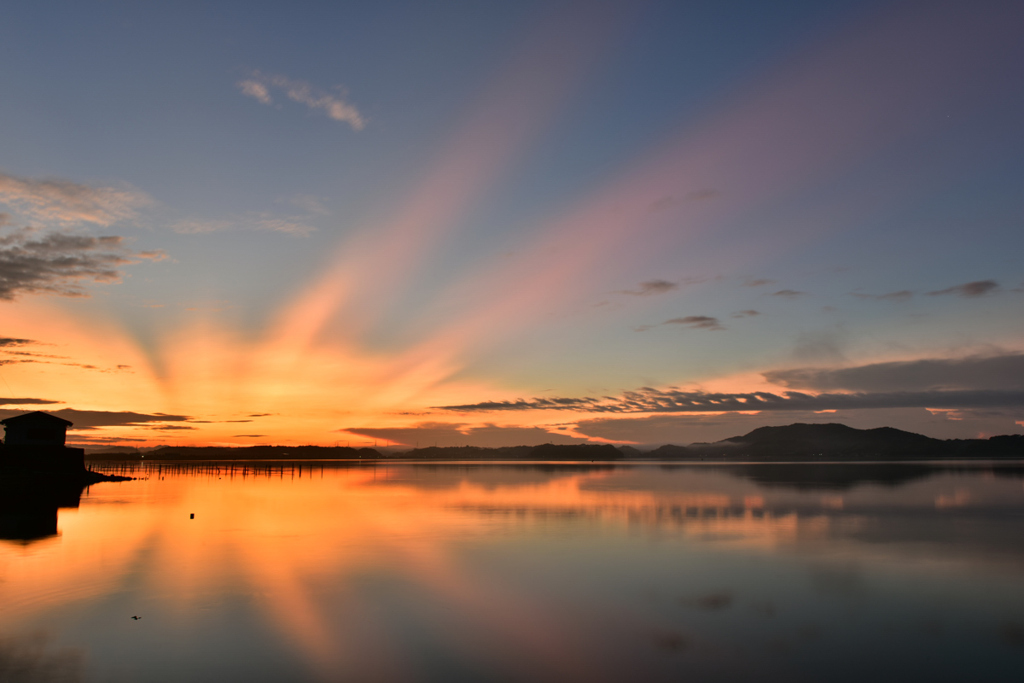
x,y
900,296
488,141
760,282
649,400
14,350
11,341
970,290
702,195
97,442
256,90
703,322
820,345
521,404
788,293
1005,371
700,322
263,222
749,313
61,202
651,287
659,286
671,201
288,226
25,401
310,205
259,86
59,262
446,434
21,358
91,419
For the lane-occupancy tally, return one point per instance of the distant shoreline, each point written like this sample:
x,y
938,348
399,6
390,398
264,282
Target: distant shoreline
x,y
399,460
792,443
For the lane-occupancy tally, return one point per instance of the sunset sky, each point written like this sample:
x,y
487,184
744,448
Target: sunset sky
x,y
496,224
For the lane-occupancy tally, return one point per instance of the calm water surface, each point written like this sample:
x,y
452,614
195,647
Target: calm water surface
x,y
304,572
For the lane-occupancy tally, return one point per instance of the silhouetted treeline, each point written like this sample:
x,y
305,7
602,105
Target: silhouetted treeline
x,y
548,451
244,453
587,452
792,442
468,453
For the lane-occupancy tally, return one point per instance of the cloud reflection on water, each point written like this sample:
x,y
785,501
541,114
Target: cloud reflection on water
x,y
367,572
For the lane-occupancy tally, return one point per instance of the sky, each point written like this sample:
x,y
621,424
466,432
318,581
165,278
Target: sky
x,y
493,224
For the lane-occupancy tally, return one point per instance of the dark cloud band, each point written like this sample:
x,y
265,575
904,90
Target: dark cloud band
x,y
649,400
446,434
90,419
969,290
974,372
58,263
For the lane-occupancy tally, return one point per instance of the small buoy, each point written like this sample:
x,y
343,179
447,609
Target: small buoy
x,y
192,516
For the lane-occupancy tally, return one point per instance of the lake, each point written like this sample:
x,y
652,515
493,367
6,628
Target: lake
x,y
522,572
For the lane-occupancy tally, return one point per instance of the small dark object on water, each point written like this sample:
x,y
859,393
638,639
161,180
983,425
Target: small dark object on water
x,y
136,618
192,516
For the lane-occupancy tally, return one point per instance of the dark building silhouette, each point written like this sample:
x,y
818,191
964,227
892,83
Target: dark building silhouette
x,y
34,442
38,474
35,429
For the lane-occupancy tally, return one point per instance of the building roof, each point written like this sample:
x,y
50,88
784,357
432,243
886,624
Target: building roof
x,y
37,417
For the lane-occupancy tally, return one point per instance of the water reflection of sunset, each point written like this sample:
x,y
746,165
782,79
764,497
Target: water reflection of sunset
x,y
309,549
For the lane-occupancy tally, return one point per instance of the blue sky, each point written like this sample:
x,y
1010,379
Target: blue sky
x,y
351,215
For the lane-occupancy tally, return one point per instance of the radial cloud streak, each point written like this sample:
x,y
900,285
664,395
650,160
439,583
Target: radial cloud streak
x,y
762,144
489,139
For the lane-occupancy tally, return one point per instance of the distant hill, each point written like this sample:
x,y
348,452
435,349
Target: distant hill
x,y
670,452
837,441
793,442
468,453
548,451
110,450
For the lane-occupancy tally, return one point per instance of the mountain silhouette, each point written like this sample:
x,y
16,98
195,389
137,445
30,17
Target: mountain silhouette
x,y
799,441
838,441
